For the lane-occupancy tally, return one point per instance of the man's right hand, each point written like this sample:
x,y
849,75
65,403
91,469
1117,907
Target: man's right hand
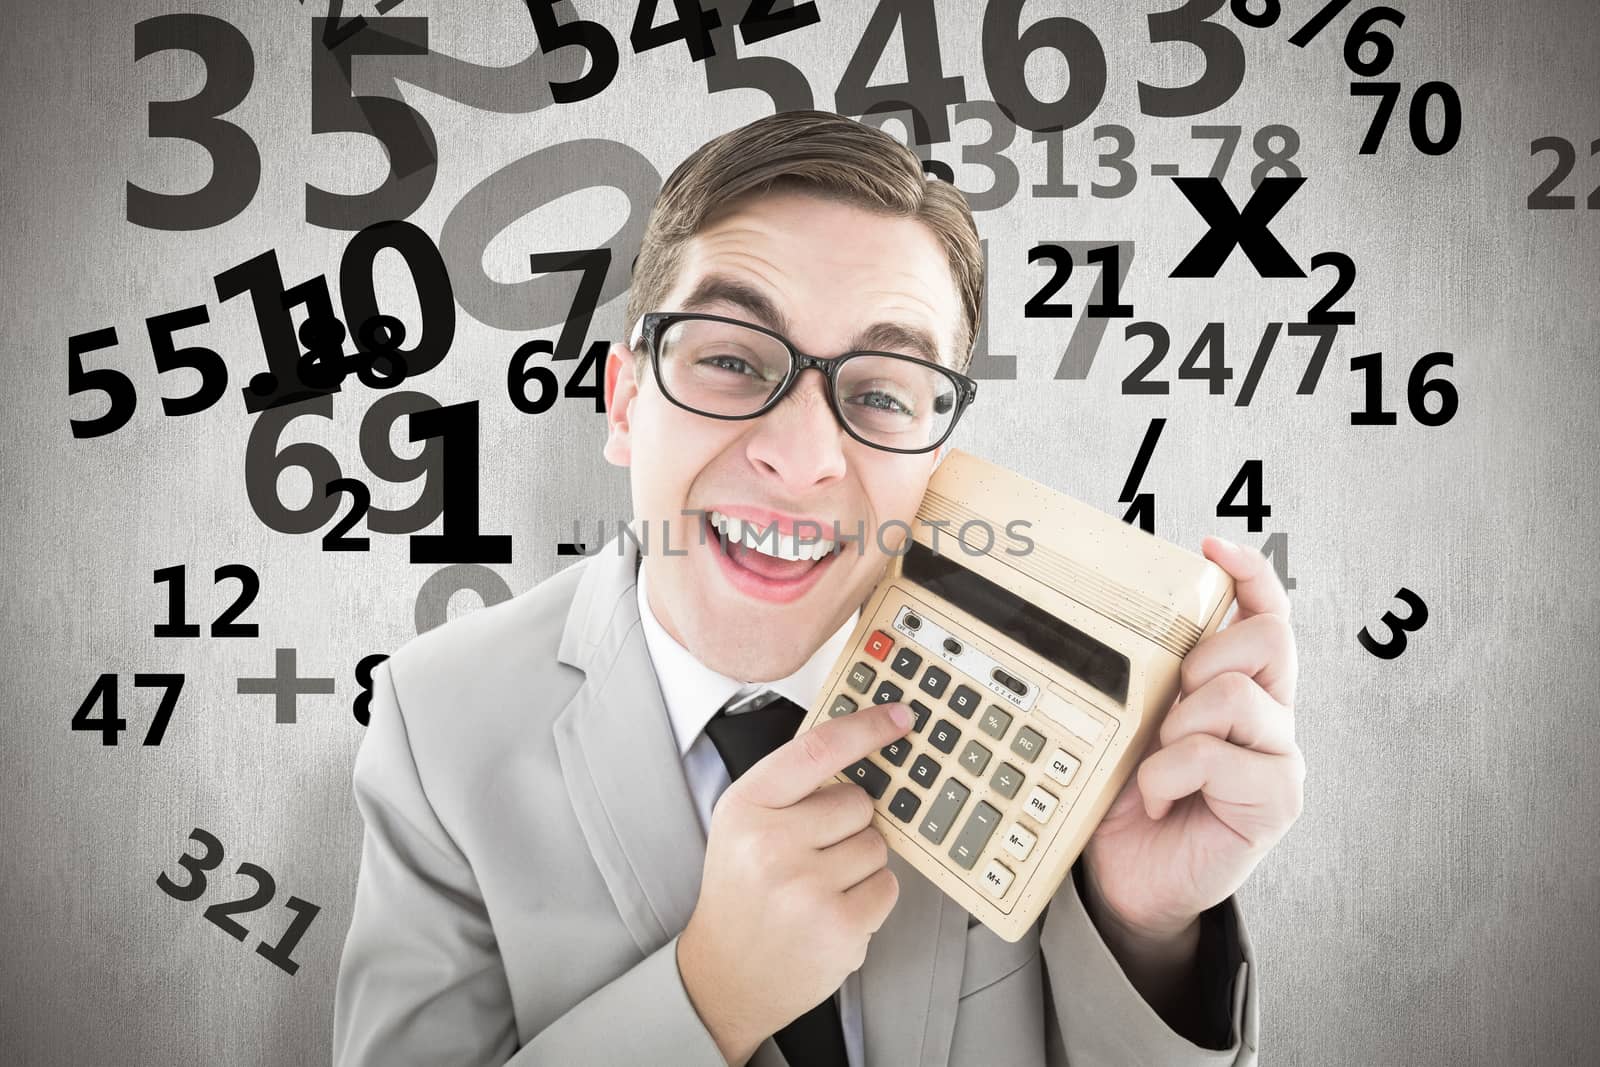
x,y
795,883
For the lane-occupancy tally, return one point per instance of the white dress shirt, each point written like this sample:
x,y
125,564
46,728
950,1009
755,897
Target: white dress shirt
x,y
693,693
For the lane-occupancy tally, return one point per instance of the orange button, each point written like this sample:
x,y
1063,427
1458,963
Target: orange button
x,y
879,644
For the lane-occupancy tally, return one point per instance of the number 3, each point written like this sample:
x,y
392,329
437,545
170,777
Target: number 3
x,y
1398,627
1224,56
195,887
235,161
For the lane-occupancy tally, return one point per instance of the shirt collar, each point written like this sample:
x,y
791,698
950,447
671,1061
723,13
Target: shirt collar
x,y
694,692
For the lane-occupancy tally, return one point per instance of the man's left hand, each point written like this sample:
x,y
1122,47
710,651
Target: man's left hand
x,y
1222,781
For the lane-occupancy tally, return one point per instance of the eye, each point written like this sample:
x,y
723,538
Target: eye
x,y
881,401
736,364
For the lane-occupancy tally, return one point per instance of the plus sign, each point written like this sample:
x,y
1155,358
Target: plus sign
x,y
285,685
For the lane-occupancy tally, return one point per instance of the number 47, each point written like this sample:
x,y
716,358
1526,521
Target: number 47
x,y
110,724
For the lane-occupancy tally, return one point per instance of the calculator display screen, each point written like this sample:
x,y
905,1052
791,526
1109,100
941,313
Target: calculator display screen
x,y
1059,642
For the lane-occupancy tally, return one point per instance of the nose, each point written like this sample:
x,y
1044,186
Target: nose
x,y
800,442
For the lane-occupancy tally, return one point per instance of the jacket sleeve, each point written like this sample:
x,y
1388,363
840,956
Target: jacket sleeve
x,y
421,979
1099,1019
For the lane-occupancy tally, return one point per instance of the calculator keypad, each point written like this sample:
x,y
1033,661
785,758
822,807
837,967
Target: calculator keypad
x,y
944,736
869,776
896,751
1006,781
964,701
906,663
974,757
905,804
920,710
860,677
887,692
952,795
980,826
995,722
979,784
1027,743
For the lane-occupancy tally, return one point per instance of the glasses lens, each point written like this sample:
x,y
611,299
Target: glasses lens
x,y
896,403
719,367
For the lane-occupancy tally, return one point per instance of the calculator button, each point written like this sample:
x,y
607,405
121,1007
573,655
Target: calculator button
x,y
904,805
933,682
842,705
920,710
946,806
995,722
974,758
905,663
964,701
1062,766
1041,804
996,879
879,644
896,751
860,677
924,771
1020,841
944,736
887,692
1027,743
980,827
1006,781
871,777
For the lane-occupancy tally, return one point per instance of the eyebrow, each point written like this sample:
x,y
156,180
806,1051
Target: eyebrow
x,y
891,336
722,289
894,337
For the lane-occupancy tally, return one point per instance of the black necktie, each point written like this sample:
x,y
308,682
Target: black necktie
x,y
742,740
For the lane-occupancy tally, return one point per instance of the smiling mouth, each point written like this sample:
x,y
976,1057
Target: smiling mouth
x,y
767,553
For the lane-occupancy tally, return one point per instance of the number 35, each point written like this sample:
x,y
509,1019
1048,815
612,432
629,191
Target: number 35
x,y
235,159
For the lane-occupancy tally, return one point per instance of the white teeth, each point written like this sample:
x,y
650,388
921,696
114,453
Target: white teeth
x,y
767,541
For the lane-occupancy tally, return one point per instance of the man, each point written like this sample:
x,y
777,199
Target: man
x,y
563,865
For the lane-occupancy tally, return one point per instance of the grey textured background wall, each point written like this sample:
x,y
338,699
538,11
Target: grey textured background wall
x,y
1437,903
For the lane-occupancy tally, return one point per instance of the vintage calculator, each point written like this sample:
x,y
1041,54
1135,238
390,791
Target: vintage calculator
x,y
1038,641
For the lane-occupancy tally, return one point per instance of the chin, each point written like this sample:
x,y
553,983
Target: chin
x,y
764,655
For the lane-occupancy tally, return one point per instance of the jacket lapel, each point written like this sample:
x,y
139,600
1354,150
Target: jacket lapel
x,y
620,761
912,975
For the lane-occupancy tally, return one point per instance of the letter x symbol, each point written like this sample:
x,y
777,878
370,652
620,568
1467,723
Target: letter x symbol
x,y
1247,229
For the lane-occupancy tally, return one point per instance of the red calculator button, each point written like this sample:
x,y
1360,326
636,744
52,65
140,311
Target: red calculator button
x,y
879,644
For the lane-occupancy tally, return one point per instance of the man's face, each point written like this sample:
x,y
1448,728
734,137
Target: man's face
x,y
827,272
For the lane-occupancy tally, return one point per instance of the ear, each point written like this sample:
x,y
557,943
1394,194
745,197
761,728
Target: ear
x,y
621,389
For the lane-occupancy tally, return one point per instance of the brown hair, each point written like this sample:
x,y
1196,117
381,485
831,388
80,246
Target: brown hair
x,y
825,155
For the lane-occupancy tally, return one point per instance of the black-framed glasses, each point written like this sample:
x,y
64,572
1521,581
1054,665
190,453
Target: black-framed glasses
x,y
726,368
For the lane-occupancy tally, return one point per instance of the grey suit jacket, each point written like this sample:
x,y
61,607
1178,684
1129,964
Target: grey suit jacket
x,y
532,854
